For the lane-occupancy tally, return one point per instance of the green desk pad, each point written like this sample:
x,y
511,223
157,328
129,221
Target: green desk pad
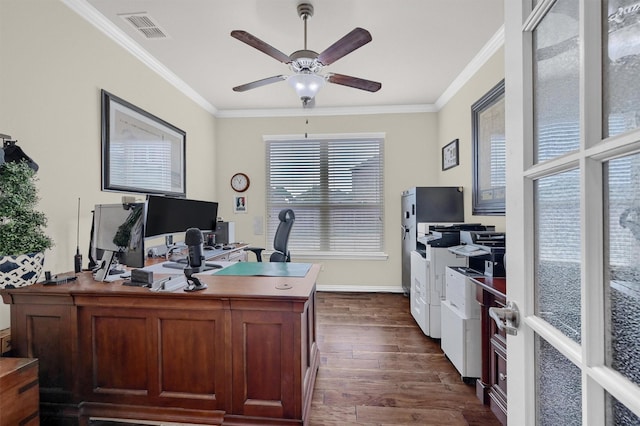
x,y
266,269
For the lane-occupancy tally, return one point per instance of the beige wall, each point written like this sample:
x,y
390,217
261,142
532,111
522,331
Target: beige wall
x,y
50,80
52,69
454,122
411,159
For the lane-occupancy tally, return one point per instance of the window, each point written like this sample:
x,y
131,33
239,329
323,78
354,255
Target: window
x,y
335,187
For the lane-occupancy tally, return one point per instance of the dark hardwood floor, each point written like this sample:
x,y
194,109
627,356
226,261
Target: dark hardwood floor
x,y
377,368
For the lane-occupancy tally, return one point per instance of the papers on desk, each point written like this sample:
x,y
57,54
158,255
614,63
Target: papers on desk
x,y
159,268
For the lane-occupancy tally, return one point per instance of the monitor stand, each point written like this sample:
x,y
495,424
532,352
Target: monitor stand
x,y
108,261
206,266
193,283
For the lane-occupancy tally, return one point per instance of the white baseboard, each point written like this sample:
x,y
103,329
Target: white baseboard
x,y
360,289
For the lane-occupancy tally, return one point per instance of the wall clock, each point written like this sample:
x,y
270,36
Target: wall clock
x,y
240,182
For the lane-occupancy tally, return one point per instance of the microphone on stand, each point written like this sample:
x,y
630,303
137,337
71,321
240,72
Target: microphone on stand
x,y
194,242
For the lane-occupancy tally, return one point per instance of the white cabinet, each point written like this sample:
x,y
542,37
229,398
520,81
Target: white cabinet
x,y
428,286
461,331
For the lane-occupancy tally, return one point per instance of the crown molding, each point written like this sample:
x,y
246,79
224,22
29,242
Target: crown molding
x,y
317,112
487,51
95,18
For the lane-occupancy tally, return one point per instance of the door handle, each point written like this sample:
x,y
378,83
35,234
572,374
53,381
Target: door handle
x,y
507,318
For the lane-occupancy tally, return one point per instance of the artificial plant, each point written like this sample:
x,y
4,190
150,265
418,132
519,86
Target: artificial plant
x,y
21,225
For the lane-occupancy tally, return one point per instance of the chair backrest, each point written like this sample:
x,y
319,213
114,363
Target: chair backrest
x,y
281,239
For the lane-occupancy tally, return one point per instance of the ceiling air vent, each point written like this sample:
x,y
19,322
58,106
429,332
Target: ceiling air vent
x,y
145,24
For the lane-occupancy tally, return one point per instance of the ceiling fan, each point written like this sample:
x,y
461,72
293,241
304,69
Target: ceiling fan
x,y
307,64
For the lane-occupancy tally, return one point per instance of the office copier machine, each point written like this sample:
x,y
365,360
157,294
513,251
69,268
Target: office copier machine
x,y
428,266
460,312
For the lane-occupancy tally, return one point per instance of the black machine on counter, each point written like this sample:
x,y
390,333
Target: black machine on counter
x,y
485,250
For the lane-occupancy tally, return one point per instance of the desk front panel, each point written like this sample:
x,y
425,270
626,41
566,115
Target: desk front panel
x,y
153,357
47,332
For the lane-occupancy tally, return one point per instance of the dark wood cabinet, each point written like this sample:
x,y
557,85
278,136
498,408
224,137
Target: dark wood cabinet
x,y
241,351
19,391
491,388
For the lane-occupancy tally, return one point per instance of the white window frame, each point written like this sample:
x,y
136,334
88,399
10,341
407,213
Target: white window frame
x,y
272,219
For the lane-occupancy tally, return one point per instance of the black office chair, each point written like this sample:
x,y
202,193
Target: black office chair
x,y
281,239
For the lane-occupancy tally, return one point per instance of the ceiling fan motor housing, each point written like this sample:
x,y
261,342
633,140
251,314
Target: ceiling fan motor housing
x,y
305,10
305,61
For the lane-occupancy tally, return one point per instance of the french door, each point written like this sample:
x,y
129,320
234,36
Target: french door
x,y
572,75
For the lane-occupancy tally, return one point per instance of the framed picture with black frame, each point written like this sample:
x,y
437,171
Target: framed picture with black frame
x,y
489,153
450,157
141,153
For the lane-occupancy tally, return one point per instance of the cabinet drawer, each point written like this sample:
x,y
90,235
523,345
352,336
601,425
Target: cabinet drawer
x,y
237,256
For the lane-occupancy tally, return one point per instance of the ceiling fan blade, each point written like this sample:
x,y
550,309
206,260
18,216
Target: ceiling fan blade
x,y
255,42
355,82
259,83
347,44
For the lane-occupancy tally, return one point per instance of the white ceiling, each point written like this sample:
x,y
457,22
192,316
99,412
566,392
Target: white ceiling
x,y
419,47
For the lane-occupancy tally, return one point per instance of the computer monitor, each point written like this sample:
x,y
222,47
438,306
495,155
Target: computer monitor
x,y
118,236
168,215
439,204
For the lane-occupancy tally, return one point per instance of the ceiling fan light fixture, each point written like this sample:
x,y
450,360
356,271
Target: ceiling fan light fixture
x,y
306,85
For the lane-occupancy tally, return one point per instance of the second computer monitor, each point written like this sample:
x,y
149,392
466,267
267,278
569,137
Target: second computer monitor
x,y
168,215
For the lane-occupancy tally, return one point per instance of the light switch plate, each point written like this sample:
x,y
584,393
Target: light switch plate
x,y
258,228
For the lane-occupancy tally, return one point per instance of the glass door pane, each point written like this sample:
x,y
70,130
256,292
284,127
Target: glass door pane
x,y
556,75
618,414
623,271
621,65
557,232
559,387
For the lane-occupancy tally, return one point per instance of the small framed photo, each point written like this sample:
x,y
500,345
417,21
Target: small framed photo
x,y
450,155
240,204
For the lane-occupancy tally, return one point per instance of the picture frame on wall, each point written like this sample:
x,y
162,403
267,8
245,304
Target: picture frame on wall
x,y
450,156
489,153
240,204
141,153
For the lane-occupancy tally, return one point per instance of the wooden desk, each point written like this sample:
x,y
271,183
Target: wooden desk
x,y
491,388
239,352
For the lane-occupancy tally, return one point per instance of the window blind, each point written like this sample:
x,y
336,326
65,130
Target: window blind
x,y
335,188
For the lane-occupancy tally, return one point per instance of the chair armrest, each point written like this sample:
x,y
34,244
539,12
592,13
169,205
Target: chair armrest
x,y
258,252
